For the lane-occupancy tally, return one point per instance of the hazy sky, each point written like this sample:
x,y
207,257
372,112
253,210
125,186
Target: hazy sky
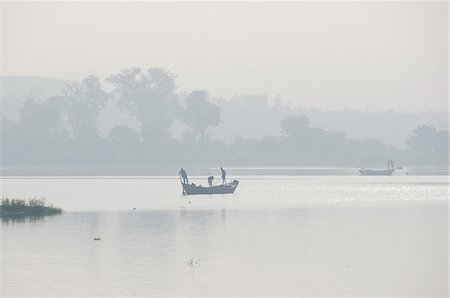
x,y
358,55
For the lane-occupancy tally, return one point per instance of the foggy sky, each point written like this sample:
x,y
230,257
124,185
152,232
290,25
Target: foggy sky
x,y
366,56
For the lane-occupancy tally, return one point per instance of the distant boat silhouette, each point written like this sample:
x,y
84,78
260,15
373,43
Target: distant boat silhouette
x,y
371,172
192,189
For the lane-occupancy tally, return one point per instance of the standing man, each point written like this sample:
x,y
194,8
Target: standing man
x,y
183,176
224,175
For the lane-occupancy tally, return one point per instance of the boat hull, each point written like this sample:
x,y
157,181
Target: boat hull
x,y
191,189
369,172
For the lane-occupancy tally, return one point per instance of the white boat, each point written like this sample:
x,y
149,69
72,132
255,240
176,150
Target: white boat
x,y
192,189
371,172
379,172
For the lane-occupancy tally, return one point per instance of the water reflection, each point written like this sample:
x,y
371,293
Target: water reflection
x,y
20,218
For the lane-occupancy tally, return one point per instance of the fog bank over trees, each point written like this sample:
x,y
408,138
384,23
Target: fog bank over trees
x,y
138,117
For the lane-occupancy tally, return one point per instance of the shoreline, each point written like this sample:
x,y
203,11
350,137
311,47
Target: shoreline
x,y
138,171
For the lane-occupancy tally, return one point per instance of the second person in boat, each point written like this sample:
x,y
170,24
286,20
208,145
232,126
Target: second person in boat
x,y
224,175
210,180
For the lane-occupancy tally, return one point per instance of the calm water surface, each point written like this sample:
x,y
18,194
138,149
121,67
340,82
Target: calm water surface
x,y
277,236
254,192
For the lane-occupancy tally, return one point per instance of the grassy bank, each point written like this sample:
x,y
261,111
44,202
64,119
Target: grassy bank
x,y
31,207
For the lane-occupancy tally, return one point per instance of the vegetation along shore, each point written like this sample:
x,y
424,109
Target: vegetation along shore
x,y
31,207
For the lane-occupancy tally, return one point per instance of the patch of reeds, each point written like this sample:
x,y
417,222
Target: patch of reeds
x,y
31,207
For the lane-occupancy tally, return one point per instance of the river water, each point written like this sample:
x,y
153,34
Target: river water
x,y
276,236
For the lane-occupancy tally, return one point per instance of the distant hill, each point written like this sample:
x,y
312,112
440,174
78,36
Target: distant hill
x,y
390,127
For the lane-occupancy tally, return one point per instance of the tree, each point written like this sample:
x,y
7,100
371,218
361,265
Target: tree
x,y
42,119
429,145
201,113
83,103
422,139
41,136
150,97
295,126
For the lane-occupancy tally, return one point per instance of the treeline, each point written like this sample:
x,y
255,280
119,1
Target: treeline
x,y
62,131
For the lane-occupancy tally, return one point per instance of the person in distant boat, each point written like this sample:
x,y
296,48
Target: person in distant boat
x,y
210,180
183,176
390,164
224,175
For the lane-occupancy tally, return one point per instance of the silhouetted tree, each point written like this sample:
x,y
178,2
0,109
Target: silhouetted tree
x,y
428,144
42,119
201,113
150,96
83,103
40,133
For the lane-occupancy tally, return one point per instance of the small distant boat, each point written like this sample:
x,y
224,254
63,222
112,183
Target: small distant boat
x,y
371,172
387,172
192,189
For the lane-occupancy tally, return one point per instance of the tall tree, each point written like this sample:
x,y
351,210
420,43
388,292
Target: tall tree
x,y
43,119
150,96
201,113
83,103
41,136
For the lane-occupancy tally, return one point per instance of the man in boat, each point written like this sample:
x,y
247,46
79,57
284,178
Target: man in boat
x,y
210,180
224,175
183,176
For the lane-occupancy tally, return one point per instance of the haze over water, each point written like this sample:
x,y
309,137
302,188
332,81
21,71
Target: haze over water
x,y
107,100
